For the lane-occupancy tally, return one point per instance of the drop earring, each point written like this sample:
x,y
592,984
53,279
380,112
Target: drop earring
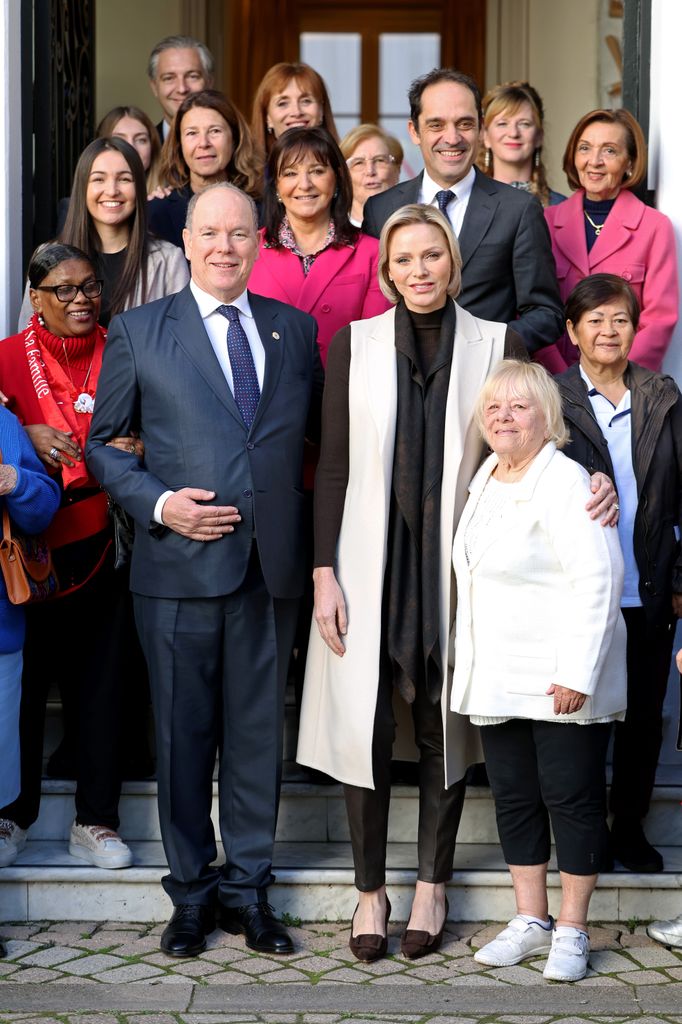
x,y
536,157
488,160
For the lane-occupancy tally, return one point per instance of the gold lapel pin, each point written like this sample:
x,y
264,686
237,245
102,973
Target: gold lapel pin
x,y
275,335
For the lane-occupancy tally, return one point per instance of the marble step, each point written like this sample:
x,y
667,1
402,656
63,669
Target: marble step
x,y
317,813
314,883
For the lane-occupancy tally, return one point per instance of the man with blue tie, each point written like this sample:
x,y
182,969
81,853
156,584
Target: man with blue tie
x,y
508,270
222,387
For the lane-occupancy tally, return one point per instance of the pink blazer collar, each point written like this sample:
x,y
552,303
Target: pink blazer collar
x,y
569,229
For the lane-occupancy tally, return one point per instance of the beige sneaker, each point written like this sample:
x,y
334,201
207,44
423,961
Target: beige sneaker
x,y
12,841
100,846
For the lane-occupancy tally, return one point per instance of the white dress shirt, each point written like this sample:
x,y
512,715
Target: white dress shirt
x,y
216,328
457,207
615,423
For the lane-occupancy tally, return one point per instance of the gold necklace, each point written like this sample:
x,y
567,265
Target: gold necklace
x,y
597,227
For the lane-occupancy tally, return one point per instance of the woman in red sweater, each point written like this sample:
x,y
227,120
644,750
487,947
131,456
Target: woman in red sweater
x,y
49,374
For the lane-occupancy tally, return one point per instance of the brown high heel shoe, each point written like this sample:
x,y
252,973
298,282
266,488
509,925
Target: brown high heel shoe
x,y
415,943
369,947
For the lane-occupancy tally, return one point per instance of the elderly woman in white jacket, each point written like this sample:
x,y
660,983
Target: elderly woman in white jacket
x,y
539,660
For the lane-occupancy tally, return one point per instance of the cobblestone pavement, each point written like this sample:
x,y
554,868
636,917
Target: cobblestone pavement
x,y
630,978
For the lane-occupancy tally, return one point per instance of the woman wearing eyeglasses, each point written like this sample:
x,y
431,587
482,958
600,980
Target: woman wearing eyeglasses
x,y
374,159
49,374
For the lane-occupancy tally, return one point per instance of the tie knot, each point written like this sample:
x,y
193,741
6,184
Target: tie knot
x,y
230,312
444,197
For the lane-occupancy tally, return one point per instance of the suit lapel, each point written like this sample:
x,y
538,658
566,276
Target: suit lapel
x,y
272,332
323,271
569,232
187,328
481,209
619,228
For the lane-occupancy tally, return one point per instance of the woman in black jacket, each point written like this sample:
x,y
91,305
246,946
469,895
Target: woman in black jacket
x,y
626,421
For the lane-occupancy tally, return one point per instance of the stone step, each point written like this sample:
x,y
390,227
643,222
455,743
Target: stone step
x,y
314,883
317,813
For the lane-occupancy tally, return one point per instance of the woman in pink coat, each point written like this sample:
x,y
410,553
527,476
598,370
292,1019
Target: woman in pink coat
x,y
310,255
604,229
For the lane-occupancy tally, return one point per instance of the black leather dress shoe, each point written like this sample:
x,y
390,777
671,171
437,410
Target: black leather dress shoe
x,y
258,923
185,934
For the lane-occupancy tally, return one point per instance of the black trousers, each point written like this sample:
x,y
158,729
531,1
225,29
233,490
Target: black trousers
x,y
440,809
85,640
637,740
217,668
542,771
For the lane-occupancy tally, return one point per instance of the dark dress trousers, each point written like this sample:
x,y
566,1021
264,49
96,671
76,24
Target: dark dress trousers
x,y
508,268
216,619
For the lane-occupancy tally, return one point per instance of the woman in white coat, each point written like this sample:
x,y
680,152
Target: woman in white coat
x,y
398,451
540,660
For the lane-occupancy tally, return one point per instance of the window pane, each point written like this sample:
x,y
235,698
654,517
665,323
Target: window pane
x,y
412,162
336,56
403,57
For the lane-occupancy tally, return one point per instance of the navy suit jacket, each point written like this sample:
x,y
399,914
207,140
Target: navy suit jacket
x,y
508,268
161,378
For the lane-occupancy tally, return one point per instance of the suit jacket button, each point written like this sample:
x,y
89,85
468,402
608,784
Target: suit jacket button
x,y
250,445
627,276
247,493
326,308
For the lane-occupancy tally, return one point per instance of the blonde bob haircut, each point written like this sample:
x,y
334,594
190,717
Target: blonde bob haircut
x,y
417,213
362,132
517,378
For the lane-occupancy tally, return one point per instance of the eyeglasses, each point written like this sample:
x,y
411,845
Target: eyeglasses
x,y
68,292
376,163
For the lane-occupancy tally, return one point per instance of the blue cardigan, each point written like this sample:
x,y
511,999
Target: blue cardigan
x,y
32,504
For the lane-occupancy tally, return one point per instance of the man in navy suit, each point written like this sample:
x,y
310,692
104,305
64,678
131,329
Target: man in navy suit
x,y
508,271
221,386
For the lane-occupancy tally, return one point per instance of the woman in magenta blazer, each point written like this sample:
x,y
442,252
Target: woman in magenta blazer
x,y
310,255
603,228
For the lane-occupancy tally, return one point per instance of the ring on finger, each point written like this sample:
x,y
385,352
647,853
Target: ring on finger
x,y
54,454
616,506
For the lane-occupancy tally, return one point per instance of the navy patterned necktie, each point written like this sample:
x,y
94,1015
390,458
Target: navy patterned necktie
x,y
244,376
443,198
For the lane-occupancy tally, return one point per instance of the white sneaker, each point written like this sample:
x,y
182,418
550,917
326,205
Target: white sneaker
x,y
669,933
568,957
12,841
520,940
100,846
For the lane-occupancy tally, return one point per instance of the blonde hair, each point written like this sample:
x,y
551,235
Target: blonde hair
x,y
417,213
362,132
507,99
525,380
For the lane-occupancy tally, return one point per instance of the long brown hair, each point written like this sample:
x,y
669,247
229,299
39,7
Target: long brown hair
x,y
507,98
244,168
79,229
275,81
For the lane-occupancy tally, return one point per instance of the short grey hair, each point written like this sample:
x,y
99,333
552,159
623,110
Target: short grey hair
x,y
225,186
418,213
524,379
181,43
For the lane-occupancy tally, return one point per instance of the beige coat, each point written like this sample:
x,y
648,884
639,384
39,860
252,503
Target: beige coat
x,y
339,697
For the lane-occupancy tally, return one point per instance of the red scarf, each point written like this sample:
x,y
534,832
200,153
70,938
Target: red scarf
x,y
56,393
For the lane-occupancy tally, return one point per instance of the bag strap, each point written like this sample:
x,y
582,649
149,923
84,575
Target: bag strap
x,y
6,528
